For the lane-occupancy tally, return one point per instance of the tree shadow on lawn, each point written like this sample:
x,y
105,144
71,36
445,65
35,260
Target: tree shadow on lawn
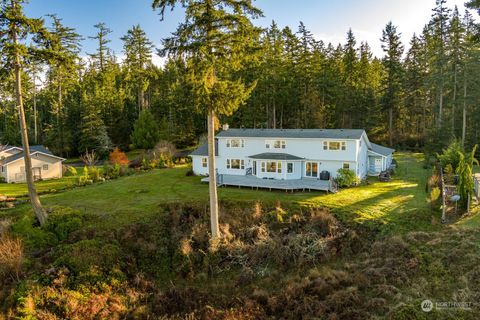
x,y
399,205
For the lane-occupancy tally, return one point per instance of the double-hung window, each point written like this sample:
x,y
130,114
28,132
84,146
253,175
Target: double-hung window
x,y
235,143
272,166
275,144
236,164
334,145
346,165
289,167
204,162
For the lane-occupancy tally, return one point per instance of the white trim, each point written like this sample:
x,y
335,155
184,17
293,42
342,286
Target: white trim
x,y
378,153
36,152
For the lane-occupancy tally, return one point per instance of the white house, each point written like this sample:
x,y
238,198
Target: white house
x,y
293,154
45,165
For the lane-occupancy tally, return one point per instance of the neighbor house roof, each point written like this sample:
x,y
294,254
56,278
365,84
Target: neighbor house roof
x,y
292,133
275,156
203,150
33,150
384,151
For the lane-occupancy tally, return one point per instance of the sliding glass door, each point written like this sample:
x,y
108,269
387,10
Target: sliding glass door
x,y
311,169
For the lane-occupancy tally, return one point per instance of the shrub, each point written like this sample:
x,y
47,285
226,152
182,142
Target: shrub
x,y
11,256
451,155
94,174
346,178
118,157
3,180
435,194
82,255
72,171
62,221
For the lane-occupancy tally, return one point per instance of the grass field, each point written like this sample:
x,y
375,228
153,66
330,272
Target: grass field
x,y
399,205
130,243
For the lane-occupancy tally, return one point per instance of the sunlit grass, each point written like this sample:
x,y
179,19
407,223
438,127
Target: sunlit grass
x,y
400,204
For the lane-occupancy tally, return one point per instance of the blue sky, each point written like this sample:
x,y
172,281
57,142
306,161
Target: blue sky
x,y
328,20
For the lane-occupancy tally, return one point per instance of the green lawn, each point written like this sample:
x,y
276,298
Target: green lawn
x,y
399,205
47,186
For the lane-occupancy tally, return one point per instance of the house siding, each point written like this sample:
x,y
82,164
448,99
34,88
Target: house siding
x,y
16,174
309,149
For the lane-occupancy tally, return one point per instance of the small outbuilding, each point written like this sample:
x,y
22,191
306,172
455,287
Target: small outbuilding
x,y
45,164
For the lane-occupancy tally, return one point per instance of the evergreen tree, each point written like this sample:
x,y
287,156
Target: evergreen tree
x,y
393,49
145,133
216,39
138,51
22,41
94,136
103,52
65,46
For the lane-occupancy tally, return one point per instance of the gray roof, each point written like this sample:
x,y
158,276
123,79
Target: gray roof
x,y
292,133
275,156
203,150
40,148
384,151
33,149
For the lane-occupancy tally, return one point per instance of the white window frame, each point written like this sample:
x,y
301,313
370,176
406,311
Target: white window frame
x,y
346,165
204,162
263,166
266,166
292,167
342,145
241,164
311,171
43,167
276,144
240,143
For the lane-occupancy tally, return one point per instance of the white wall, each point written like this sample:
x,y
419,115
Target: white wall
x,y
197,167
310,149
54,168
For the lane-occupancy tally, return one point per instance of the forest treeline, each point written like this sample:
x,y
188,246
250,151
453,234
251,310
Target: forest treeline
x,y
418,98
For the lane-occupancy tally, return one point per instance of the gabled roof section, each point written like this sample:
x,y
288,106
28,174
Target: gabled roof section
x,y
36,149
202,151
381,150
354,134
275,156
40,148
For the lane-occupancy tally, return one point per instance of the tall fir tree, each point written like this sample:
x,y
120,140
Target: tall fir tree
x,y
217,38
393,48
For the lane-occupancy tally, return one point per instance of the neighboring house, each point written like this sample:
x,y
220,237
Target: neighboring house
x,y
45,165
292,154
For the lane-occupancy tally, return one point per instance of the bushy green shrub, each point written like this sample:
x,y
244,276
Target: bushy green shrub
x,y
62,221
451,155
346,178
71,171
85,254
94,174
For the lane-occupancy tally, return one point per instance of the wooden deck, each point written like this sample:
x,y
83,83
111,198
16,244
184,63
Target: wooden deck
x,y
287,185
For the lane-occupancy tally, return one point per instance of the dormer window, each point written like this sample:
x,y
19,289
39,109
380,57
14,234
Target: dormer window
x,y
235,143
